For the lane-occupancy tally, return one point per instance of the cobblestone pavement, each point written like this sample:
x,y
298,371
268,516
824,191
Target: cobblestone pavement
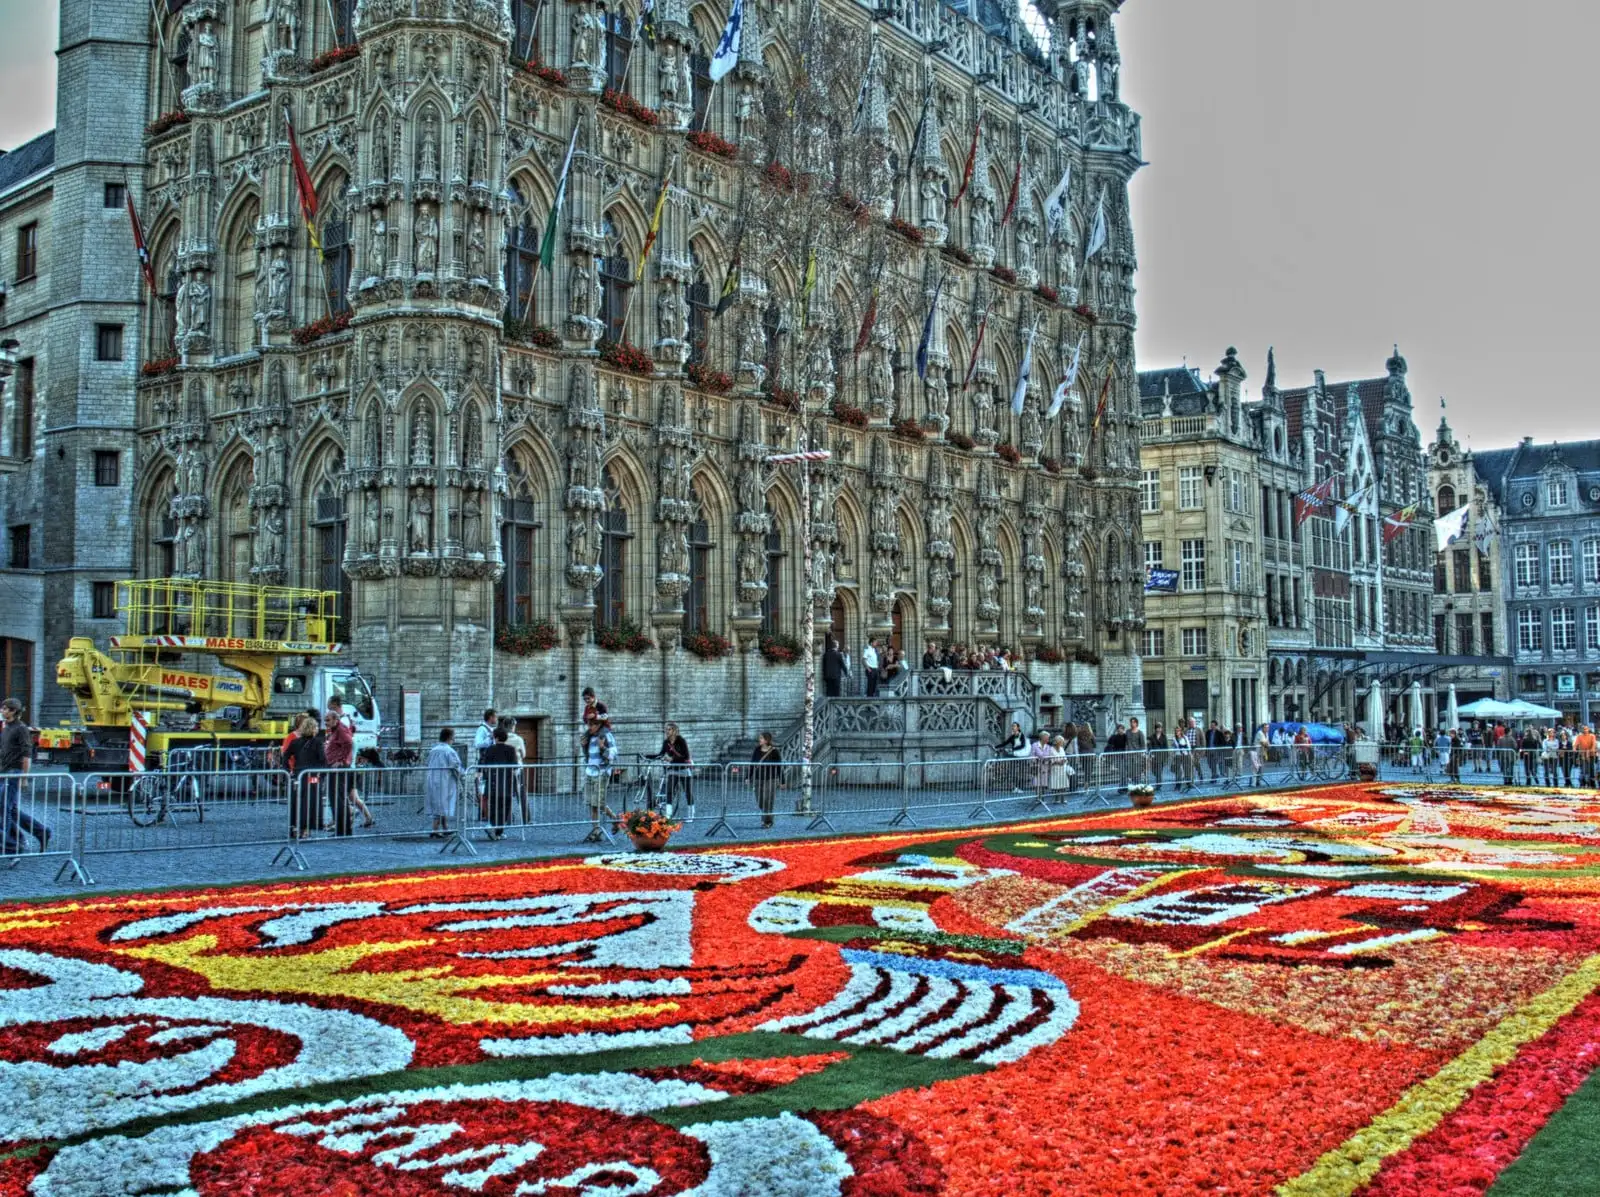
x,y
117,859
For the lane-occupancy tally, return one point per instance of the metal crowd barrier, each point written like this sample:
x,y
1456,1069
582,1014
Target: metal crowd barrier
x,y
144,812
39,818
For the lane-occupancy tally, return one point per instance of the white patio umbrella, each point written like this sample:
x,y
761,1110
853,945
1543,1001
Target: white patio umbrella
x,y
1416,705
1453,718
1375,710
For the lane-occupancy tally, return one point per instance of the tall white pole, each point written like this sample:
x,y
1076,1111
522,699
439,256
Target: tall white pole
x,y
808,626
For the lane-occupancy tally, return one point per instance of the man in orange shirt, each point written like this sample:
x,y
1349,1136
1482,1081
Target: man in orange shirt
x,y
1585,746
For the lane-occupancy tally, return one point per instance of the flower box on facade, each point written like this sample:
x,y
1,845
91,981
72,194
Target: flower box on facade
x,y
780,648
708,646
782,397
852,417
907,230
554,76
1004,273
628,357
910,429
306,334
778,175
1052,465
959,440
1047,293
622,103
1006,451
158,368
334,57
708,142
523,640
626,636
1086,312
165,122
956,254
703,378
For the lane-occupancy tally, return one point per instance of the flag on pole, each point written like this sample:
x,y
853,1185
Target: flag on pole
x,y
302,184
868,319
1065,387
1100,407
1020,395
547,246
726,56
1344,508
972,157
146,267
1016,182
1394,525
1055,207
1097,234
655,221
1451,527
927,331
1313,499
1484,535
646,25
730,286
1161,581
807,287
977,345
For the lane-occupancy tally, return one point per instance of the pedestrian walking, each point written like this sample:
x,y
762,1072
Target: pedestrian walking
x,y
498,766
338,749
1586,748
869,662
1138,744
442,786
833,668
1259,755
16,757
766,769
1182,757
367,762
599,758
1160,750
680,769
1014,745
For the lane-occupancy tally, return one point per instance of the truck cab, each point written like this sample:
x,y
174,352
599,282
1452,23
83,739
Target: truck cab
x,y
297,688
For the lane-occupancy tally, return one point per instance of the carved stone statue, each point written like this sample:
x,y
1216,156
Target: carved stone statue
x,y
982,221
880,382
272,529
751,496
471,439
932,190
884,576
477,249
671,315
195,479
752,563
273,467
281,20
427,257
419,521
584,32
580,288
278,285
380,155
1031,590
192,550
203,57
472,525
884,525
199,306
667,72
674,560
988,591
1066,265
939,581
421,439
371,525
180,306
378,248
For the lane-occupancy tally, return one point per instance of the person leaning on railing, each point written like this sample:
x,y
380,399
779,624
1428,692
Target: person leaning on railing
x,y
1585,748
1014,745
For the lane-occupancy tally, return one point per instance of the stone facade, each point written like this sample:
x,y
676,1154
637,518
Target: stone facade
x,y
467,444
1548,497
68,438
1469,582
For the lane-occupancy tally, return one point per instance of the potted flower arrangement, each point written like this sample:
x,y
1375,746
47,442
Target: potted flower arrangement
x,y
708,646
155,369
906,229
333,57
1142,795
554,76
780,648
959,440
1086,312
1048,655
648,829
852,417
778,175
621,102
167,120
708,142
1004,273
523,640
1051,465
307,334
910,429
852,207
1047,293
625,636
1006,451
956,254
704,378
626,356
782,397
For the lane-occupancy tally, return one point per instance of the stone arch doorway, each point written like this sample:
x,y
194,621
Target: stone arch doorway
x,y
903,617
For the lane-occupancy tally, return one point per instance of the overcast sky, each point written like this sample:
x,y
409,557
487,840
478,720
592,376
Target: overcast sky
x,y
1327,177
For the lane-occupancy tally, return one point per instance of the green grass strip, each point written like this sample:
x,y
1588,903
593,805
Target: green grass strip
x,y
1564,1157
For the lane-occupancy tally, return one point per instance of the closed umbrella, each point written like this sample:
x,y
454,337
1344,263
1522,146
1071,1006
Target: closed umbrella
x,y
1453,719
1375,711
1416,705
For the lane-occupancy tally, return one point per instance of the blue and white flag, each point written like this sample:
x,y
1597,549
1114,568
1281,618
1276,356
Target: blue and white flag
x,y
1020,395
1067,383
1055,207
1451,527
1097,234
927,332
1485,535
726,55
1161,581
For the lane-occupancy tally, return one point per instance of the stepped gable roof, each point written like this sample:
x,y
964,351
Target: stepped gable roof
x,y
1370,392
28,159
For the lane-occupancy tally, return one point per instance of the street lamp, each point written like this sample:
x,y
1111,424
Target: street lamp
x,y
808,613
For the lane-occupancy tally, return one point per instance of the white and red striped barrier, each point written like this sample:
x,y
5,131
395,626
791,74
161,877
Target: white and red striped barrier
x,y
138,738
809,455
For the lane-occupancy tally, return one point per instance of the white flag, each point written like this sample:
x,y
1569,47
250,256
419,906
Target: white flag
x,y
1451,527
1055,207
726,55
1484,536
1343,509
1062,391
1020,395
1097,234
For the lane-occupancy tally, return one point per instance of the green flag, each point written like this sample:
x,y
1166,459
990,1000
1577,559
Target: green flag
x,y
547,247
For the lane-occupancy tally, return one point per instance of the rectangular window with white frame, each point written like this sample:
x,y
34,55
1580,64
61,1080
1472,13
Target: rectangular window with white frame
x,y
1591,561
1236,564
1561,563
1194,642
1150,491
1530,631
1555,492
1591,629
1153,643
1563,630
1152,556
1194,564
1527,564
1191,493
1236,491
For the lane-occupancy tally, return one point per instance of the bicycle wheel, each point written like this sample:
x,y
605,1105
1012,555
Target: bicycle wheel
x,y
147,800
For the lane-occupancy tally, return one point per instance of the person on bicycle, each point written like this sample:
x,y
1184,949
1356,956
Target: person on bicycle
x,y
680,769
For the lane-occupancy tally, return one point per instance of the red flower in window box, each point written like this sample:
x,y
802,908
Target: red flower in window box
x,y
1086,312
906,229
1004,273
626,637
167,120
910,429
523,640
622,102
703,378
1046,655
155,369
778,175
708,646
1008,452
956,254
317,329
854,417
1052,465
333,57
780,648
959,440
1047,293
709,143
853,207
540,335
783,397
627,357
551,75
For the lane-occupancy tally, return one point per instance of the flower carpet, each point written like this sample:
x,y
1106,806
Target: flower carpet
x,y
1359,989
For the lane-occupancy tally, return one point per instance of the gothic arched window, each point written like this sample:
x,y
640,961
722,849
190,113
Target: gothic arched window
x,y
328,527
525,22
618,48
616,282
700,307
700,87
515,603
336,258
772,605
522,261
697,602
1447,499
611,595
772,328
160,530
235,546
244,264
